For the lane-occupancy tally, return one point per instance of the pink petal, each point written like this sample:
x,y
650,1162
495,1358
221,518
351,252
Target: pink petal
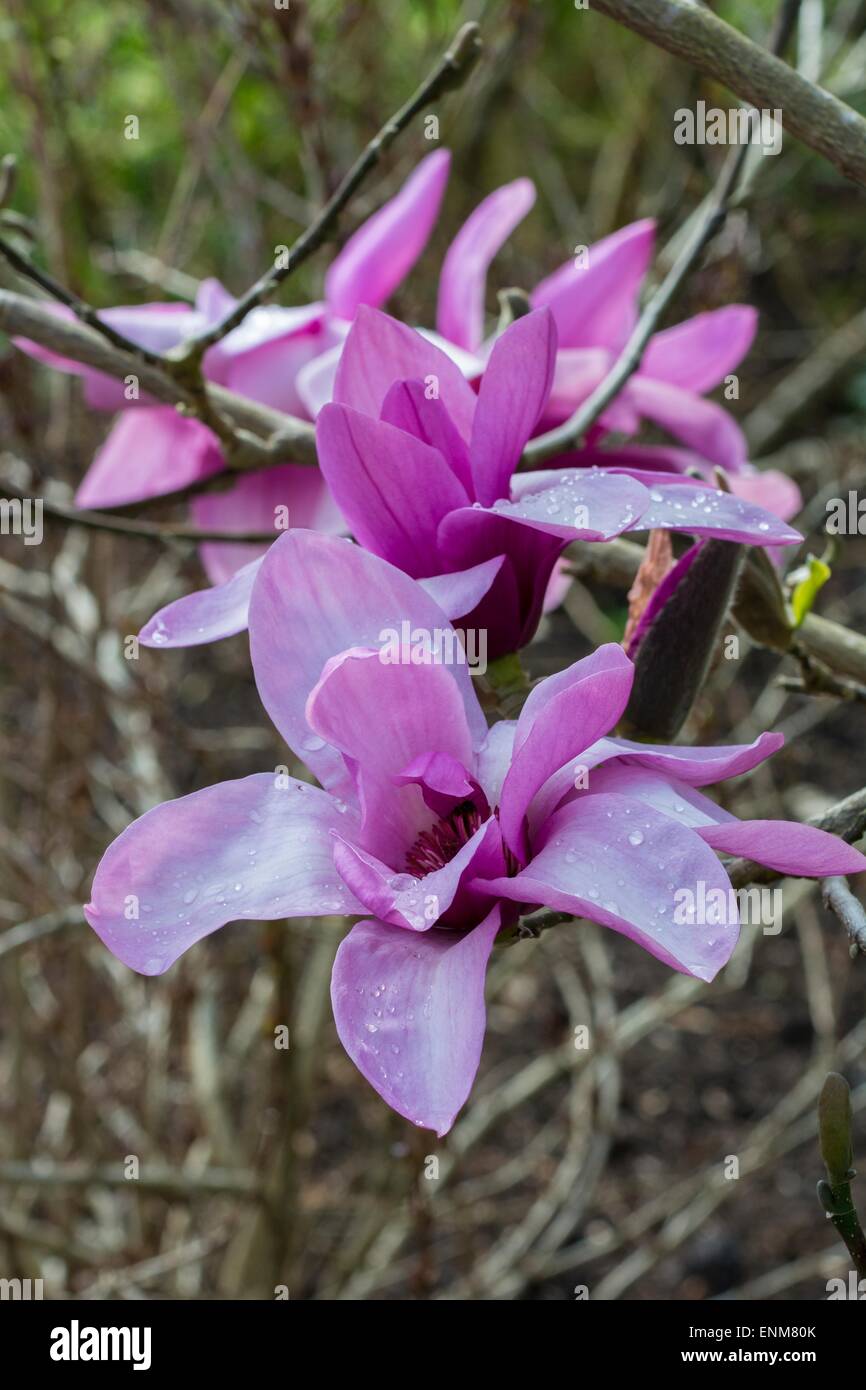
x,y
458,593
418,904
508,614
268,370
573,504
213,301
408,407
494,758
621,863
562,716
771,489
315,382
382,252
148,452
786,846
392,489
576,374
698,766
380,351
410,1013
273,499
596,305
317,596
702,425
244,849
381,716
512,397
695,766
666,794
558,586
207,615
460,311
681,504
698,354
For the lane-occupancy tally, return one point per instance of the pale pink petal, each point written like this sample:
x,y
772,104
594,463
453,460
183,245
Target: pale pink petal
x,y
562,716
786,846
393,489
208,615
272,499
258,848
771,489
381,715
317,596
380,351
702,425
409,1010
622,863
457,594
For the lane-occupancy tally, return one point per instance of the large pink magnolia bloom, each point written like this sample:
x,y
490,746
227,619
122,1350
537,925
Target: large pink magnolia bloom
x,y
595,303
272,357
423,470
434,830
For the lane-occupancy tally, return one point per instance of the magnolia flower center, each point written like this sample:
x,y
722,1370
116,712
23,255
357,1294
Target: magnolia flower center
x,y
437,846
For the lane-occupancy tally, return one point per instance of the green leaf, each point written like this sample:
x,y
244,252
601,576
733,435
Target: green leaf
x,y
810,577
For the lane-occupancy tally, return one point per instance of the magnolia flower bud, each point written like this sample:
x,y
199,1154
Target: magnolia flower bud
x,y
676,638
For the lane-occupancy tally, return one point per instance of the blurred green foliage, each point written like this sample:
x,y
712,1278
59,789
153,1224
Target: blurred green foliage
x,y
248,113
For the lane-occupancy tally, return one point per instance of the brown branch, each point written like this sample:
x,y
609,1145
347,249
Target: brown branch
x,y
267,436
137,530
156,1178
849,910
689,31
80,308
710,221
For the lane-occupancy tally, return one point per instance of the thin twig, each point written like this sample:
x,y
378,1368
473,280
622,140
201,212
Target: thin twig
x,y
450,72
570,434
849,910
692,32
82,310
139,530
268,436
164,1181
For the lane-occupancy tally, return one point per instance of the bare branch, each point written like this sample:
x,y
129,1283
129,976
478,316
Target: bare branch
x,y
82,310
268,436
689,31
841,901
450,72
709,221
138,530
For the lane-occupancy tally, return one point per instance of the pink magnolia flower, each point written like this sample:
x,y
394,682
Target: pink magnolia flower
x,y
594,300
433,829
422,469
271,357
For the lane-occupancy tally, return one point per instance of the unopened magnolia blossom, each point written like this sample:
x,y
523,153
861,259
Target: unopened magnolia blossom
x,y
432,829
